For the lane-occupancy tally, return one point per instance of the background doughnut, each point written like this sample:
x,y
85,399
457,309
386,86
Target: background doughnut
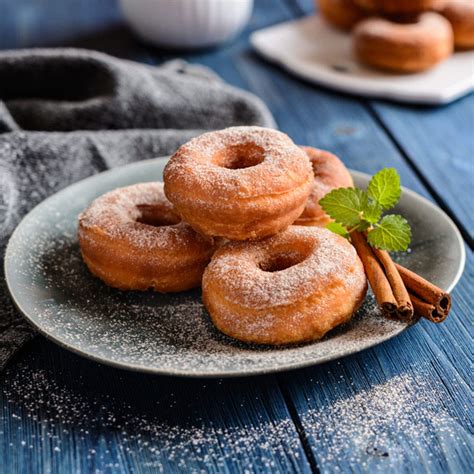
x,y
343,14
460,13
403,47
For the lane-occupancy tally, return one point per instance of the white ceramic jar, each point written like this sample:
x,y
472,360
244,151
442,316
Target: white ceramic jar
x,y
187,23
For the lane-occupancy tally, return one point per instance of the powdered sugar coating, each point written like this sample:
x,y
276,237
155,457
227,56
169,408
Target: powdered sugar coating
x,y
131,239
241,183
331,260
117,212
428,27
171,333
195,165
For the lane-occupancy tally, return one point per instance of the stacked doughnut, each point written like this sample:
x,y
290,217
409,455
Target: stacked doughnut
x,y
403,35
239,213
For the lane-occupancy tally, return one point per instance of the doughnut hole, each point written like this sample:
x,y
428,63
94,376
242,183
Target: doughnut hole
x,y
444,304
407,18
283,258
156,215
240,156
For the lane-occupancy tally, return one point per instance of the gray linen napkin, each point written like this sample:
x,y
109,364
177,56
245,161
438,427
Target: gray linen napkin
x,y
66,114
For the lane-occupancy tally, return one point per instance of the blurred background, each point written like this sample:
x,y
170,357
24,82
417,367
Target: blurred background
x,y
101,24
377,411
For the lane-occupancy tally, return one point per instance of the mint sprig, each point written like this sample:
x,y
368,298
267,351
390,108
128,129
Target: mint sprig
x,y
392,233
384,188
355,209
346,204
337,229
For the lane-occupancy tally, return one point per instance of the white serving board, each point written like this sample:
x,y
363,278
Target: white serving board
x,y
313,50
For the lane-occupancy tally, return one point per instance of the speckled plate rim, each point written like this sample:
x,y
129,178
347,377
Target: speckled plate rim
x,y
10,258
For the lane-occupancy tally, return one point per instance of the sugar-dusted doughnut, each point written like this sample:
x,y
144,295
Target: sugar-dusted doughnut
x,y
399,6
343,14
292,287
329,173
239,183
460,13
404,47
131,239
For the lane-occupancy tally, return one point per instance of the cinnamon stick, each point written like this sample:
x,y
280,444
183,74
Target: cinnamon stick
x,y
427,310
378,280
404,304
425,290
400,292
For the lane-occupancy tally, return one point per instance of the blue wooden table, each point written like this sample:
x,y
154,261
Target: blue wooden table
x,y
404,406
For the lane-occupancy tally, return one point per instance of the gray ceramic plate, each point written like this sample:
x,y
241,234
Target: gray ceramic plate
x,y
172,334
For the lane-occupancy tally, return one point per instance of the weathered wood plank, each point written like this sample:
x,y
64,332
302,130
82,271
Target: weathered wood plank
x,y
110,420
53,22
163,411
404,406
384,410
62,413
439,144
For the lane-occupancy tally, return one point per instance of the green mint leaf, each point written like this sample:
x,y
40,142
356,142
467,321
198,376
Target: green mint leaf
x,y
345,205
337,229
393,233
372,212
384,187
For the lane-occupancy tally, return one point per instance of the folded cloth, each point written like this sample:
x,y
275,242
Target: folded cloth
x,y
66,114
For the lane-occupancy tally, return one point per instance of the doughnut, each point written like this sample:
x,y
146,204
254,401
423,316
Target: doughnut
x,y
343,14
403,47
329,173
239,183
289,288
460,13
131,239
398,6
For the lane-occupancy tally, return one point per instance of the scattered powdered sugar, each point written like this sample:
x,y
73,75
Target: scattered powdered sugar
x,y
169,333
392,421
183,425
150,331
158,429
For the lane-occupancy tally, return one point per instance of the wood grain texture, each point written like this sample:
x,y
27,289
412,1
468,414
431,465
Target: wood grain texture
x,y
32,23
65,414
409,398
438,143
73,415
404,406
